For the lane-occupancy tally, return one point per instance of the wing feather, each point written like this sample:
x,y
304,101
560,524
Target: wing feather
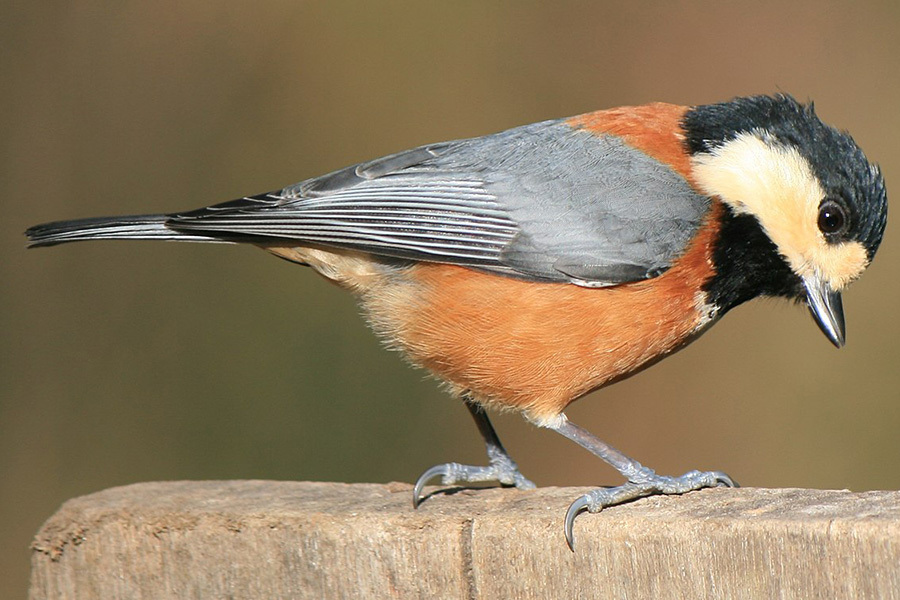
x,y
543,202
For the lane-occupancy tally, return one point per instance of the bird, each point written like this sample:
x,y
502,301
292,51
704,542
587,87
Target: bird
x,y
529,267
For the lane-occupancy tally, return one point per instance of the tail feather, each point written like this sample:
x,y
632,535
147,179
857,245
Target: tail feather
x,y
135,227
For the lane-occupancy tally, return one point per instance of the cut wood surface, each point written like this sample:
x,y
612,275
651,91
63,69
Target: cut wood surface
x,y
267,539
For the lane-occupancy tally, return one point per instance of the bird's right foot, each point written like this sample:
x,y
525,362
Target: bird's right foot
x,y
501,469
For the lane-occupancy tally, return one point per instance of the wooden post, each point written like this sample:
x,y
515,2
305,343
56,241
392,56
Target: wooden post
x,y
264,539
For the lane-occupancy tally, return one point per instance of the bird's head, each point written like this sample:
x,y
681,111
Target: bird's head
x,y
810,188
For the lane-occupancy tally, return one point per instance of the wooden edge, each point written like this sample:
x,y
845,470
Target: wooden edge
x,y
266,539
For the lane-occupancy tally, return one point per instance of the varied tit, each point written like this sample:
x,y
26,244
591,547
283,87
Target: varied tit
x,y
530,267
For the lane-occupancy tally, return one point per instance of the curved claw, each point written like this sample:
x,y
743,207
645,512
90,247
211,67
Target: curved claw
x,y
595,500
442,470
581,504
723,480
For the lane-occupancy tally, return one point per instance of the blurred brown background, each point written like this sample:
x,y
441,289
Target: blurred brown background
x,y
125,362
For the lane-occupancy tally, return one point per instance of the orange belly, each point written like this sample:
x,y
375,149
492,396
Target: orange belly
x,y
531,346
537,347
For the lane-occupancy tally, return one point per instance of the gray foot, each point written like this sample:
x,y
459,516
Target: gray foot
x,y
502,469
646,484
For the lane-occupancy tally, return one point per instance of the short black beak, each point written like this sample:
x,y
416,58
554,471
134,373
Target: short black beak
x,y
826,308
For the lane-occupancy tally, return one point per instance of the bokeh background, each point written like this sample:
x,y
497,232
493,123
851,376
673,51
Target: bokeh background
x,y
126,362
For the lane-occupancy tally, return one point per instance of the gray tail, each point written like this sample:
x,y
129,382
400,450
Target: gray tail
x,y
136,227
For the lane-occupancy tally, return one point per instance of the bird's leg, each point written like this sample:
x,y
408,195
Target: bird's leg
x,y
642,481
502,467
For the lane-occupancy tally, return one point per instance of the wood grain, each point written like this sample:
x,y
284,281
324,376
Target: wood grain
x,y
264,539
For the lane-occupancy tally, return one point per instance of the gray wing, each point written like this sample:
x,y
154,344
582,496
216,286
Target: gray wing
x,y
543,202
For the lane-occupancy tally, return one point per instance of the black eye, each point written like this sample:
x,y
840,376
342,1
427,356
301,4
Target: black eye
x,y
832,218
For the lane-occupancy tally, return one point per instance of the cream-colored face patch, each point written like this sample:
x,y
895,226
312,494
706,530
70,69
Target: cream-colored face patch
x,y
754,174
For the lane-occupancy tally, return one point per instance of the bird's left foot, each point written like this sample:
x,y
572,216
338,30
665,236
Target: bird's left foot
x,y
501,469
647,484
